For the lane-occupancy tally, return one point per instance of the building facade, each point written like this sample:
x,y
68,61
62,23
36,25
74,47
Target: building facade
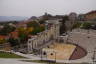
x,y
44,38
90,16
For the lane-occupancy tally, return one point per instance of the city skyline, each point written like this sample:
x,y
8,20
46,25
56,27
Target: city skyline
x,y
37,8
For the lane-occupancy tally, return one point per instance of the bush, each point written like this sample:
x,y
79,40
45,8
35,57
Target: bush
x,y
76,25
86,25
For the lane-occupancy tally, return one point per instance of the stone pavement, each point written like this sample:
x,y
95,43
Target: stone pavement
x,y
15,61
85,39
29,56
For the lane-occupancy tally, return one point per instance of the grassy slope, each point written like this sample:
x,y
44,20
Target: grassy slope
x,y
9,55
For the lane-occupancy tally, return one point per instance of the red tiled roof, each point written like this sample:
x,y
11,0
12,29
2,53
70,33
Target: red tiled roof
x,y
14,34
91,12
1,36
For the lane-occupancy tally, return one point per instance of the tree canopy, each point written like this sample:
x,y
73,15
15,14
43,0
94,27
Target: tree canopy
x,y
6,30
36,27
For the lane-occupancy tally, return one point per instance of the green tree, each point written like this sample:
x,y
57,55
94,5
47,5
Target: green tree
x,y
7,29
76,25
35,31
63,26
42,21
13,41
36,27
86,25
33,24
2,40
23,37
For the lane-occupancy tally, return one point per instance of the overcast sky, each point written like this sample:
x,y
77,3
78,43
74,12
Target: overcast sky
x,y
39,7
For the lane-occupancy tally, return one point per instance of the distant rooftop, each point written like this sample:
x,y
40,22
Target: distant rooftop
x,y
91,12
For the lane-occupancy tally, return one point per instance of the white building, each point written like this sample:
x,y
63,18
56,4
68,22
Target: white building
x,y
46,37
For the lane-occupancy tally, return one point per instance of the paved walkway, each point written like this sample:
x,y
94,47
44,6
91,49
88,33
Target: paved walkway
x,y
15,61
29,56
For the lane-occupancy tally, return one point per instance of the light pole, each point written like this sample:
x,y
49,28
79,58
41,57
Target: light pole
x,y
88,31
55,56
68,37
94,57
41,54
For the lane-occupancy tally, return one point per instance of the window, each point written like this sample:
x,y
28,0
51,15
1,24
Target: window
x,y
51,54
44,53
